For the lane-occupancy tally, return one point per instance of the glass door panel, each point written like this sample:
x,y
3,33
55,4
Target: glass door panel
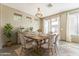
x,y
55,25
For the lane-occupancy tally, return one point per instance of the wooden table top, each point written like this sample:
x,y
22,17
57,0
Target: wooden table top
x,y
37,37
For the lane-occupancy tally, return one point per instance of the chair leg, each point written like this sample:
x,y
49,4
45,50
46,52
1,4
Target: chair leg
x,y
21,51
56,49
51,51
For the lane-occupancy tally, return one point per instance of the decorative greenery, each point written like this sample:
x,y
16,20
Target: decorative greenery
x,y
8,31
39,30
31,28
50,5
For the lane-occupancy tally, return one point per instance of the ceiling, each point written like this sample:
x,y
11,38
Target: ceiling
x,y
31,8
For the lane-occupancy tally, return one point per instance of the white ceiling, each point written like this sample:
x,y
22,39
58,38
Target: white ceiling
x,y
31,8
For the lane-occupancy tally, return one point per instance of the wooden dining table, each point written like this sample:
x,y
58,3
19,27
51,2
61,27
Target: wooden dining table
x,y
37,38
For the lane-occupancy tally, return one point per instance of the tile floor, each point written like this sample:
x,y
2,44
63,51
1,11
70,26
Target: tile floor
x,y
64,49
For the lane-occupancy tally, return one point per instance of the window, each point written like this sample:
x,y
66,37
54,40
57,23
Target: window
x,y
55,25
74,23
17,16
17,20
78,24
51,25
46,26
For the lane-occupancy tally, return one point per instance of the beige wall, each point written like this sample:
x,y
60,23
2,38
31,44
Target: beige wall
x,y
0,28
75,39
7,17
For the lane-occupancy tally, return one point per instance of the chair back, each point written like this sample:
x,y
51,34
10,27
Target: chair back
x,y
51,40
22,40
56,39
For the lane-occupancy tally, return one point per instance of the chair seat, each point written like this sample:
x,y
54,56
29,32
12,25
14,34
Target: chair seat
x,y
45,46
29,45
28,41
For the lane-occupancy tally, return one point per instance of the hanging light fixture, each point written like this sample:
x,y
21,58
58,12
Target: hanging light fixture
x,y
50,5
39,13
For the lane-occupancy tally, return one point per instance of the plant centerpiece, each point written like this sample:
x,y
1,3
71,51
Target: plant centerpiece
x,y
31,28
40,31
8,33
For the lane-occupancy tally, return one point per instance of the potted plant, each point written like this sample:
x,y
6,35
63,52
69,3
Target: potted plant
x,y
39,30
8,33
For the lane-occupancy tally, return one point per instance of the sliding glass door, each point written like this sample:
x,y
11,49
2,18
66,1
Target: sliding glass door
x,y
52,25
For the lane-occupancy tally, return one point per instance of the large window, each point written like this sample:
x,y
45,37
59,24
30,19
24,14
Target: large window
x,y
17,22
46,26
17,16
55,25
74,23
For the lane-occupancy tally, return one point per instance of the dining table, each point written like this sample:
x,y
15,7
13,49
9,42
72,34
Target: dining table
x,y
38,38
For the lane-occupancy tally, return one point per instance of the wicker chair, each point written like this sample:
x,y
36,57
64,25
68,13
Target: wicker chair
x,y
55,44
50,44
24,44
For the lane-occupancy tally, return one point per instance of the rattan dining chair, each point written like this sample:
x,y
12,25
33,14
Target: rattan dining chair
x,y
55,44
50,44
24,44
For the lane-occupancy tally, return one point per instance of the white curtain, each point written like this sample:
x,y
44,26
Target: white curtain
x,y
68,36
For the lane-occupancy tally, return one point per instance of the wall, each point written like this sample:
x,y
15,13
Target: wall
x,y
0,28
7,17
75,39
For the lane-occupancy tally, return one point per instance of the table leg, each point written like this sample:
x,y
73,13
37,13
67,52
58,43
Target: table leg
x,y
38,45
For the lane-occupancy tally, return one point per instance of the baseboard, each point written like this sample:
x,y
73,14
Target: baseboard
x,y
62,40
